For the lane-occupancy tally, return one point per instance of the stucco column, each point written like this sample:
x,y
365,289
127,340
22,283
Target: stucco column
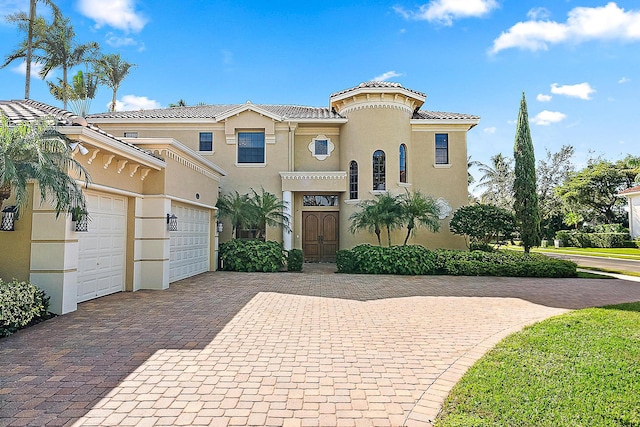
x,y
151,243
287,237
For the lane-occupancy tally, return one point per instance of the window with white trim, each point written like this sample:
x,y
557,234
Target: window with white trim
x,y
353,180
403,163
251,147
206,141
379,173
442,149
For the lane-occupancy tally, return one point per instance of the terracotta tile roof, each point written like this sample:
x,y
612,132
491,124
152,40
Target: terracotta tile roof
x,y
635,189
27,110
439,115
211,111
377,84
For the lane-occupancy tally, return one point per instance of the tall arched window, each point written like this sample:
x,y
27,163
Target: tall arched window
x,y
403,163
379,166
353,180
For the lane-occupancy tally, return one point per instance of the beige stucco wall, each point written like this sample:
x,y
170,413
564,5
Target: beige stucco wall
x,y
304,159
16,245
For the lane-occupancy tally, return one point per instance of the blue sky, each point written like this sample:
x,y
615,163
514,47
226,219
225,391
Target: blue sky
x,y
576,60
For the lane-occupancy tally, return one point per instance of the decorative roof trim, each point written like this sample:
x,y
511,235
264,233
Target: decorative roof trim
x,y
248,107
313,175
378,87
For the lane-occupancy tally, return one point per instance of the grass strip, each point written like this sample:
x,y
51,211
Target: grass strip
x,y
577,369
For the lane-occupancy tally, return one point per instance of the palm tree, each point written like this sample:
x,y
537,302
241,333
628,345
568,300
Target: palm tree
x,y
112,70
267,210
35,151
497,182
383,211
234,206
80,93
59,50
418,210
31,24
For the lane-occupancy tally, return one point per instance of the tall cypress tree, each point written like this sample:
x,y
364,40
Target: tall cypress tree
x,y
525,205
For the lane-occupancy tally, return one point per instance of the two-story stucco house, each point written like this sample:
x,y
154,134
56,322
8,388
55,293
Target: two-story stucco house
x,y
322,161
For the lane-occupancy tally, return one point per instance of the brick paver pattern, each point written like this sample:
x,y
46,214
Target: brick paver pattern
x,y
284,349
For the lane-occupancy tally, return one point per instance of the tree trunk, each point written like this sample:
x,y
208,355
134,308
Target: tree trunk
x,y
406,239
389,235
32,17
5,193
112,107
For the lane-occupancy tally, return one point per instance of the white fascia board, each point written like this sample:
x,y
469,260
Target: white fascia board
x,y
151,120
469,122
248,107
319,121
380,90
101,141
159,142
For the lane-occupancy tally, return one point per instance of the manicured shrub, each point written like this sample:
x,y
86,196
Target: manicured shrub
x,y
251,255
21,304
295,259
367,259
592,240
501,263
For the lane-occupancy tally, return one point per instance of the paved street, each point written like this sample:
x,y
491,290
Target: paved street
x,y
598,262
284,349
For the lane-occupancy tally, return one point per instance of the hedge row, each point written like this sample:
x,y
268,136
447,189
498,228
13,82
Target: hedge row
x,y
367,259
21,304
592,240
256,255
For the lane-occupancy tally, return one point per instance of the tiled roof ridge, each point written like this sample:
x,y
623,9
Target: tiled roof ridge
x,y
377,84
68,118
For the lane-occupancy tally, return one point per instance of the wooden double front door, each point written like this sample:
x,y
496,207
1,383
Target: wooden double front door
x,y
320,236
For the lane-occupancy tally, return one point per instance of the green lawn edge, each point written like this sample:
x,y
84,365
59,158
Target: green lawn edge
x,y
577,369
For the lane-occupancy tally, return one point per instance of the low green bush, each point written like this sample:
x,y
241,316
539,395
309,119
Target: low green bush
x,y
501,263
251,255
367,259
21,304
592,240
295,259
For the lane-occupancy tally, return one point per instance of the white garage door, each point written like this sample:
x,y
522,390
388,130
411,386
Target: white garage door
x,y
101,258
189,246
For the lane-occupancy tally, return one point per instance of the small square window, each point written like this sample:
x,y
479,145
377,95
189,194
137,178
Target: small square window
x,y
322,147
131,134
206,141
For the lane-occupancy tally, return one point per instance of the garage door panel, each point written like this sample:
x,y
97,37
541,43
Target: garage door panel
x,y
101,261
189,246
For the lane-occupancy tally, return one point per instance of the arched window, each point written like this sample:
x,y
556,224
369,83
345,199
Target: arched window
x,y
403,163
379,165
353,179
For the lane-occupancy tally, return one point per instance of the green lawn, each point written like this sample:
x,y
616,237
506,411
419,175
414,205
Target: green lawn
x,y
578,369
625,253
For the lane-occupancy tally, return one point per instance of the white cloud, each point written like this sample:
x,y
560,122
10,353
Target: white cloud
x,y
116,41
581,90
583,23
22,69
490,130
445,11
624,80
543,98
119,14
133,102
538,13
386,76
545,118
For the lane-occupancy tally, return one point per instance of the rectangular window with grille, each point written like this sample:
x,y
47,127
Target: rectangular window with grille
x,y
442,149
251,147
206,141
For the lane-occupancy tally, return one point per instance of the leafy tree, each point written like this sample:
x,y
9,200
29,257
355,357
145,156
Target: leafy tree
x,y
383,211
267,210
482,224
592,191
573,219
180,103
58,49
418,210
30,24
35,151
551,172
525,204
497,182
112,70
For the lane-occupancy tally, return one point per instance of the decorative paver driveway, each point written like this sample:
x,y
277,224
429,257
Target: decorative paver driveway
x,y
274,349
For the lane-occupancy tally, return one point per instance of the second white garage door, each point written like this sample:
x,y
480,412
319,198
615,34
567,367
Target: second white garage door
x,y
189,246
101,250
